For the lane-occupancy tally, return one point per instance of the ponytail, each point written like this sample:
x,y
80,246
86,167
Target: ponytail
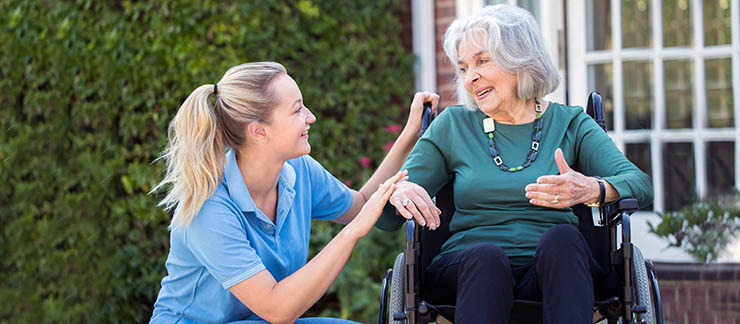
x,y
200,134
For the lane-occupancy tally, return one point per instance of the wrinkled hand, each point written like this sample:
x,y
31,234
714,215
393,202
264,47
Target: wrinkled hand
x,y
564,190
370,212
413,202
417,109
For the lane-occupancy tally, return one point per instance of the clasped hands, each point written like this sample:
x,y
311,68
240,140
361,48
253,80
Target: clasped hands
x,y
554,191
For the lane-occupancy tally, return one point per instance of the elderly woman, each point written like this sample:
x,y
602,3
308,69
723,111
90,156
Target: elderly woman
x,y
511,157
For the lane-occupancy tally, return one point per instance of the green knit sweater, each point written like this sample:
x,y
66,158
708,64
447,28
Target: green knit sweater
x,y
490,203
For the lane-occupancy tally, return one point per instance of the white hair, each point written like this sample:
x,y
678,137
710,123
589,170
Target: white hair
x,y
514,42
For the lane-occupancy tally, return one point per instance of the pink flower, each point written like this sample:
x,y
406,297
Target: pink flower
x,y
387,146
365,161
393,128
348,183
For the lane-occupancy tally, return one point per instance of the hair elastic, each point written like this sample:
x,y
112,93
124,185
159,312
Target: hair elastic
x,y
215,88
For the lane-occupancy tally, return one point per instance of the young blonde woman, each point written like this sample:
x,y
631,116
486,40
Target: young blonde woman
x,y
244,191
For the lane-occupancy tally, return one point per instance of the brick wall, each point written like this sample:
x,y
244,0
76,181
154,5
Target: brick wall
x,y
444,14
700,293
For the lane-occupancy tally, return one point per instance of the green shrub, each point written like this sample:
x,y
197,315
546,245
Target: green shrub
x,y
704,229
88,90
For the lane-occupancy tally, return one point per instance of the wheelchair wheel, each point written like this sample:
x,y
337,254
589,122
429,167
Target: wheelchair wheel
x,y
395,301
643,286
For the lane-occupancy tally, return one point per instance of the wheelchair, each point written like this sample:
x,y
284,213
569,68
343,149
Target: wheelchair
x,y
628,293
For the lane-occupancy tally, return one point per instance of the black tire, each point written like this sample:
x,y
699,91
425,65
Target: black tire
x,y
643,286
657,308
398,278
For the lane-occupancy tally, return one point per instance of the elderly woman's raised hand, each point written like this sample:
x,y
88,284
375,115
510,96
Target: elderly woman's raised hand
x,y
564,190
413,202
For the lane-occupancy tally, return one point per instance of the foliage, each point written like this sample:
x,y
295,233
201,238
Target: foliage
x,y
88,90
703,229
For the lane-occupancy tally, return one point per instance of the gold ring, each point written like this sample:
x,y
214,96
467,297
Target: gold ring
x,y
555,200
405,202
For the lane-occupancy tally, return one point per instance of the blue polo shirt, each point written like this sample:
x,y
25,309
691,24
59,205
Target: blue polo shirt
x,y
231,240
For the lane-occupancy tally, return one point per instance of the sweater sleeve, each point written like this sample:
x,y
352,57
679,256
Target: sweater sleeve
x,y
599,156
427,165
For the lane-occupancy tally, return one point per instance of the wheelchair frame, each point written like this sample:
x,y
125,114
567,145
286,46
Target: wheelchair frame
x,y
620,259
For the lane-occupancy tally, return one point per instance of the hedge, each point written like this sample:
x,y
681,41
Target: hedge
x,y
88,89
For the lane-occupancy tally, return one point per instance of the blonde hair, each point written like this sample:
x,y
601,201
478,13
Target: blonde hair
x,y
513,39
200,134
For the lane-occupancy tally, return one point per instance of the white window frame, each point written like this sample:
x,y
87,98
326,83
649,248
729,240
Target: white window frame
x,y
579,59
422,20
551,27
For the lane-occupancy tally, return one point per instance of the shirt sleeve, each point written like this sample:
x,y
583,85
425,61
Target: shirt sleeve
x,y
219,242
330,198
427,166
599,156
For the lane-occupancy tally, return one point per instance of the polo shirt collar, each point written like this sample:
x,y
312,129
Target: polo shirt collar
x,y
238,189
235,184
286,193
287,177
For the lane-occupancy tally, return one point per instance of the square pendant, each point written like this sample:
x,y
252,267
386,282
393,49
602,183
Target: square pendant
x,y
488,125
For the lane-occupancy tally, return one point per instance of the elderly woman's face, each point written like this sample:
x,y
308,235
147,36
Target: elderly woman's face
x,y
493,88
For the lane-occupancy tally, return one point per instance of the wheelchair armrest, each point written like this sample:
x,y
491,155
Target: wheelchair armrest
x,y
617,208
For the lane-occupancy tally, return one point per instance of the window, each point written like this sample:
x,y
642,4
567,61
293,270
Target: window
x,y
531,5
669,75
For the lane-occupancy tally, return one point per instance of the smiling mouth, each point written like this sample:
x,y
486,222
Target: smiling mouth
x,y
305,133
484,92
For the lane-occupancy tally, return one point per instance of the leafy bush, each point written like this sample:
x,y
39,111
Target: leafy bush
x,y
88,90
704,229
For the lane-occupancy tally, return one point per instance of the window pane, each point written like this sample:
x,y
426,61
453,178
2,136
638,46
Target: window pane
x,y
720,168
716,22
638,89
639,154
718,78
531,6
600,80
676,23
679,182
636,26
678,76
599,25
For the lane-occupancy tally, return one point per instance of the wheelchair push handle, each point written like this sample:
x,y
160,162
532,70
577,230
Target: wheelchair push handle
x,y
426,118
594,109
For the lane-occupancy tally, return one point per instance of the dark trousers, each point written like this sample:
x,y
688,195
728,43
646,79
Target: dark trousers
x,y
483,286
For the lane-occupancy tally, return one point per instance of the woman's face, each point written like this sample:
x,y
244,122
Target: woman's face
x,y
493,88
290,120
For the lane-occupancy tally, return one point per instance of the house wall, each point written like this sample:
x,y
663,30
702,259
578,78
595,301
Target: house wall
x,y
700,293
444,14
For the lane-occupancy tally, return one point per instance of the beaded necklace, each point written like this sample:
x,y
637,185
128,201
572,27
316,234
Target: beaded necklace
x,y
489,128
